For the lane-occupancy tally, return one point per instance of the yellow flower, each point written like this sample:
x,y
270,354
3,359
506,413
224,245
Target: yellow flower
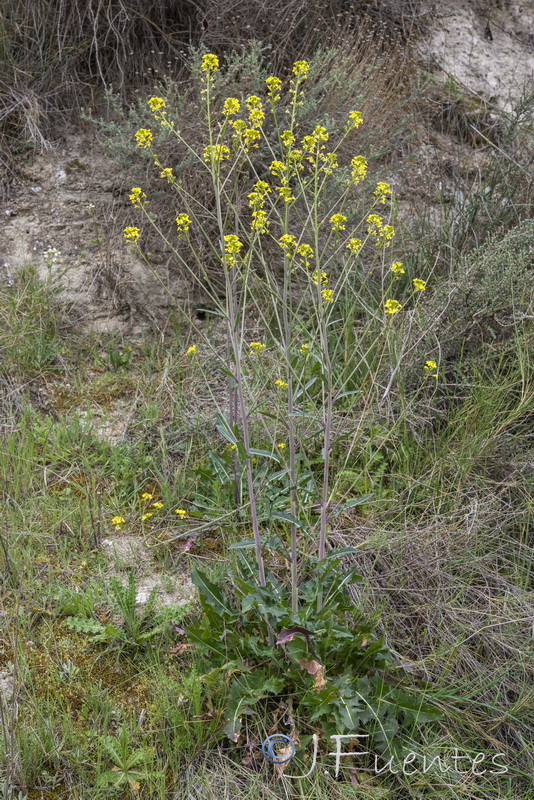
x,y
281,384
385,237
215,153
305,251
274,86
375,223
260,222
338,222
250,136
392,306
288,243
288,138
277,168
304,349
256,201
358,169
324,278
118,520
430,366
167,173
146,496
232,243
396,268
144,137
157,505
256,347
285,193
192,350
301,69
231,106
355,119
329,163
210,63
231,446
376,227
147,516
181,512
328,295
156,103
131,235
183,222
419,285
255,108
137,196
354,246
281,446
382,191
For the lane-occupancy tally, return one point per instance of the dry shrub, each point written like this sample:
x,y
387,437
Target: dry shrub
x,y
448,596
57,56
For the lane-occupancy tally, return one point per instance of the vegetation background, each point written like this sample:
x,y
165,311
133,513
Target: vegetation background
x,y
105,434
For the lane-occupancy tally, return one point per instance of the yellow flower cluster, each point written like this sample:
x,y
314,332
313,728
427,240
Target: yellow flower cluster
x,y
256,347
244,136
147,516
279,169
191,351
419,285
210,63
274,88
430,367
305,252
354,246
256,201
146,496
281,446
392,306
232,247
118,522
324,277
183,223
312,143
358,169
137,196
355,120
215,153
338,222
131,235
156,103
288,243
288,138
281,384
231,106
301,69
144,137
157,505
256,114
382,192
232,243
382,233
304,349
181,512
397,268
167,173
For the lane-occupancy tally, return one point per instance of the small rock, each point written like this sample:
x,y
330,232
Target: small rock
x,y
7,685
